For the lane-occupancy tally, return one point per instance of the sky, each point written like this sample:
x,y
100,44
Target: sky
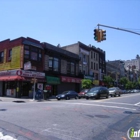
x,y
66,22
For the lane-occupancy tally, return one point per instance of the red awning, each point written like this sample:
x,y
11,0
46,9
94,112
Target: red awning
x,y
11,78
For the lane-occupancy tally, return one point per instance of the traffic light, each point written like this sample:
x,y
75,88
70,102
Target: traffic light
x,y
103,35
97,35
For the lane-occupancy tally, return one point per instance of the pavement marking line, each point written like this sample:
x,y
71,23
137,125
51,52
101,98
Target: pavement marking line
x,y
137,103
51,131
98,105
117,103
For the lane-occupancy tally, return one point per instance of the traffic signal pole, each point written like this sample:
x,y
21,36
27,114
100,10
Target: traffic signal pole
x,y
117,29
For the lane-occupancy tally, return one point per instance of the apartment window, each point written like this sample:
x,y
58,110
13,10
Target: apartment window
x,y
34,54
80,68
9,54
1,57
91,54
94,54
68,67
91,65
26,52
50,63
94,66
72,68
40,55
55,64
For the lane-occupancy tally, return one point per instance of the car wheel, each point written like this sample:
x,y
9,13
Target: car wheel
x,y
119,94
58,99
76,97
79,97
67,98
107,96
114,94
87,98
111,96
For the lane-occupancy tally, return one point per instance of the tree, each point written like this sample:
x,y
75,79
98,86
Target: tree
x,y
129,85
108,80
86,83
124,81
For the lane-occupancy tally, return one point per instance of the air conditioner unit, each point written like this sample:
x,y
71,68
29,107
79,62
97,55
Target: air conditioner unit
x,y
9,58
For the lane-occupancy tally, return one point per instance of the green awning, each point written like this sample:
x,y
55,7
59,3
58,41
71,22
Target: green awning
x,y
52,80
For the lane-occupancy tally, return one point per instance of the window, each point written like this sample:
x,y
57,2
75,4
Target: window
x,y
40,55
68,67
94,66
91,54
1,57
50,63
9,54
80,68
91,65
55,64
94,54
72,68
34,56
26,52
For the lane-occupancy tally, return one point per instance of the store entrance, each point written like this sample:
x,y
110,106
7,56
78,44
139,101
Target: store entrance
x,y
26,87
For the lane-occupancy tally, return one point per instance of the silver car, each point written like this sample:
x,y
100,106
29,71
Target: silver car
x,y
114,91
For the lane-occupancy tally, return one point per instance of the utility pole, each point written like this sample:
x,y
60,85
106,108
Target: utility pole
x,y
117,29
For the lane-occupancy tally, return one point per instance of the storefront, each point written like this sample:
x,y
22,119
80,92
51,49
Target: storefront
x,y
17,83
69,83
52,84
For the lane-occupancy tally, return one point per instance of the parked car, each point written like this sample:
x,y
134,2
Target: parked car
x,y
82,93
97,92
114,91
67,95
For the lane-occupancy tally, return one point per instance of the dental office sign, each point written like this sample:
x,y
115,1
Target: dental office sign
x,y
23,73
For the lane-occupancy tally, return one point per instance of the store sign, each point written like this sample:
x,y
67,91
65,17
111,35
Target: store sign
x,y
70,79
88,77
30,74
23,73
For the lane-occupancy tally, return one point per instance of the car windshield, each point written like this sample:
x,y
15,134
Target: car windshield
x,y
65,92
94,89
112,88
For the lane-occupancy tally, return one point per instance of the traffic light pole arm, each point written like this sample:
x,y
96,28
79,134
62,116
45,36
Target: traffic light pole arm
x,y
118,29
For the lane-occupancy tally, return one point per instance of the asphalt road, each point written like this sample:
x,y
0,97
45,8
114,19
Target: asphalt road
x,y
103,119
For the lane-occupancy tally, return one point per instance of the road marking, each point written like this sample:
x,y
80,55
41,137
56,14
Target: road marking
x,y
137,103
118,103
97,105
52,131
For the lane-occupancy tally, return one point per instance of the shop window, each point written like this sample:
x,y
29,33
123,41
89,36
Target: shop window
x,y
50,63
68,67
55,64
72,68
1,57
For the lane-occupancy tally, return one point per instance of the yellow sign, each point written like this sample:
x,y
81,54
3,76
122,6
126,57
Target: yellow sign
x,y
96,82
15,60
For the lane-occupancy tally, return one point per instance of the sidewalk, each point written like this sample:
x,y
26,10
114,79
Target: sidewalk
x,y
23,99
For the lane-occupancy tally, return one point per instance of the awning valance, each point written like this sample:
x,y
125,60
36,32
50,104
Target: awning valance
x,y
11,78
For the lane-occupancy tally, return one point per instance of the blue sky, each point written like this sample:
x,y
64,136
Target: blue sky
x,y
66,22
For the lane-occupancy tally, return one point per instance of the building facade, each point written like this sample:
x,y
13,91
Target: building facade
x,y
20,62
